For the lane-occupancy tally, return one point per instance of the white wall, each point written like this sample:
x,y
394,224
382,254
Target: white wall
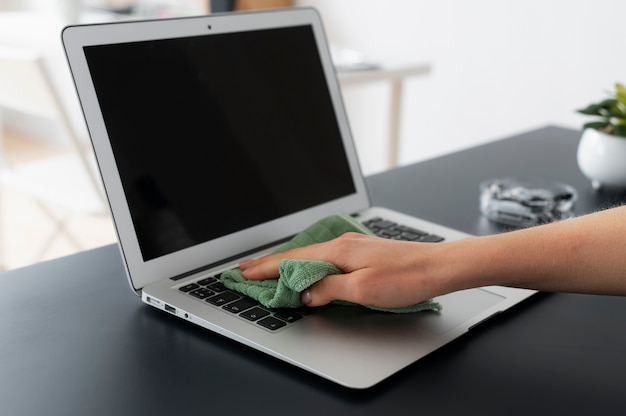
x,y
499,66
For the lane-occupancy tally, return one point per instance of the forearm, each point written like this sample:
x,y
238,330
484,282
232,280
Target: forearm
x,y
586,255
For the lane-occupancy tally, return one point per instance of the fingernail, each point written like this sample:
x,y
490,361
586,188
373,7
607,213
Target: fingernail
x,y
305,297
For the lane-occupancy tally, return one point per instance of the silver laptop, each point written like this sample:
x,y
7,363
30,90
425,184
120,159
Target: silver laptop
x,y
219,137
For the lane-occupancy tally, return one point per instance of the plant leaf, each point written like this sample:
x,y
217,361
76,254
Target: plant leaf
x,y
613,113
591,109
596,109
621,93
608,103
597,125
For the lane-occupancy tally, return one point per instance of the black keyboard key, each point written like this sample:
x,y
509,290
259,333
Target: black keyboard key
x,y
382,224
288,315
431,238
254,314
272,323
189,287
404,228
240,305
207,281
222,298
389,233
217,287
409,236
201,293
371,221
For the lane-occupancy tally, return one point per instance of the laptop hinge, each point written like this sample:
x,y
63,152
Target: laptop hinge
x,y
230,259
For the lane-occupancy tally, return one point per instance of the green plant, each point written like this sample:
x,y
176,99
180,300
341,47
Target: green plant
x,y
612,112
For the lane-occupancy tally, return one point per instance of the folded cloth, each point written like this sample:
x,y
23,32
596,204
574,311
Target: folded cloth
x,y
296,276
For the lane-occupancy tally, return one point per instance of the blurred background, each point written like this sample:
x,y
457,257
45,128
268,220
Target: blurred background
x,y
432,77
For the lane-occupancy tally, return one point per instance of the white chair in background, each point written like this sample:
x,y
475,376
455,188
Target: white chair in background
x,y
63,185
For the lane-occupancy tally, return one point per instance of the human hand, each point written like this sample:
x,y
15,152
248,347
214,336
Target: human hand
x,y
377,272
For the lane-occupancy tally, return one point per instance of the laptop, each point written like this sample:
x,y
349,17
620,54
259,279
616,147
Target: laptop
x,y
220,137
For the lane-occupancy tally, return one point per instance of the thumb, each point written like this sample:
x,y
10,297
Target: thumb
x,y
320,293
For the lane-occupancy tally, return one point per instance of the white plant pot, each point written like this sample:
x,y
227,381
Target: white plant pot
x,y
602,159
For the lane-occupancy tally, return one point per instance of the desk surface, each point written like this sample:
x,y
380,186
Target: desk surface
x,y
75,341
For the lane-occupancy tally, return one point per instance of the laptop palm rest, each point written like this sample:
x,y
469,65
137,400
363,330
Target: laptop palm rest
x,y
458,307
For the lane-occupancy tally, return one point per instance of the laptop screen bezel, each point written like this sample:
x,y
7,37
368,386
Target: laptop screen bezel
x,y
140,272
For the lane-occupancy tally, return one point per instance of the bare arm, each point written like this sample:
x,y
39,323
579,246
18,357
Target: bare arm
x,y
585,255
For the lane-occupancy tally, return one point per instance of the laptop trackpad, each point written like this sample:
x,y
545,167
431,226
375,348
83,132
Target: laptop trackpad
x,y
458,307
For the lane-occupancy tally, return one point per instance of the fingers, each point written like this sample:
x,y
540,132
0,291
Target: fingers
x,y
331,251
259,270
266,267
319,294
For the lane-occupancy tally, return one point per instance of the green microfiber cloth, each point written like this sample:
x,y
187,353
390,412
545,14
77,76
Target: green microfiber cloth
x,y
298,275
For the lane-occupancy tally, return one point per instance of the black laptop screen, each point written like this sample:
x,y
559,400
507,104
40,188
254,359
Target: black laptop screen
x,y
214,134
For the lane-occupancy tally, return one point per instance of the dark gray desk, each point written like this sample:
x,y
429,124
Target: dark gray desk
x,y
75,341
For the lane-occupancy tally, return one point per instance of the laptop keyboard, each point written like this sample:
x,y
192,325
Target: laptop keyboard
x,y
212,291
394,231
